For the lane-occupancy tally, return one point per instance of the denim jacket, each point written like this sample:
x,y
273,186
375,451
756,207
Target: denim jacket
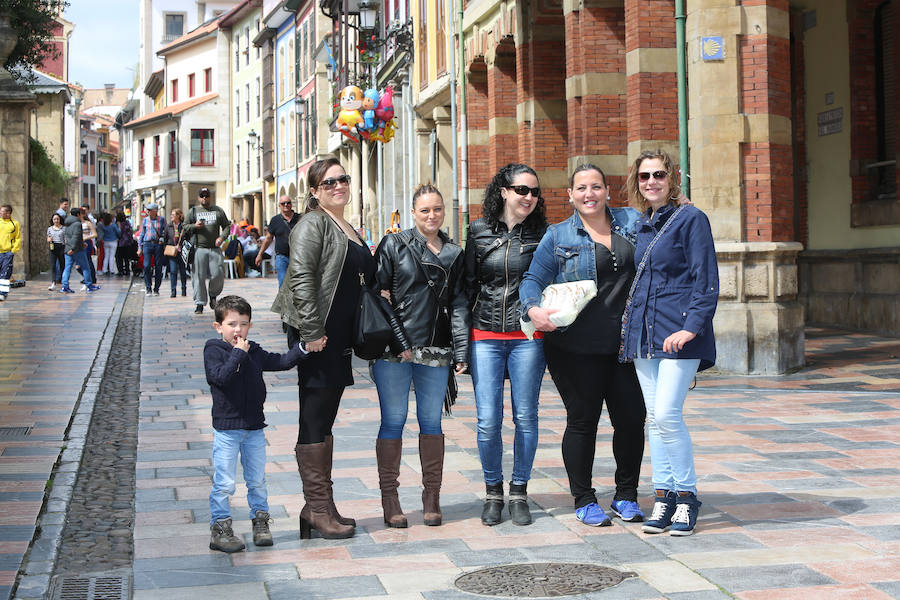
x,y
566,253
678,289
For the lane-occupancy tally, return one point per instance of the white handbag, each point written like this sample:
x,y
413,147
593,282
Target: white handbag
x,y
568,298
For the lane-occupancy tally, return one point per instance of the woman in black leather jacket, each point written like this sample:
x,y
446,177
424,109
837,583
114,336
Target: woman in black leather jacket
x,y
498,252
421,271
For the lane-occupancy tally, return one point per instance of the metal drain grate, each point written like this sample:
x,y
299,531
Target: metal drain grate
x,y
10,432
541,580
90,588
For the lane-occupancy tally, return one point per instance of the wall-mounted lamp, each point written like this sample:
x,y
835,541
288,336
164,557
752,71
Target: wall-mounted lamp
x,y
301,107
127,172
368,12
253,138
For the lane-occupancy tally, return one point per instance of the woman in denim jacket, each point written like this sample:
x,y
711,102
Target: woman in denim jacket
x,y
667,330
595,243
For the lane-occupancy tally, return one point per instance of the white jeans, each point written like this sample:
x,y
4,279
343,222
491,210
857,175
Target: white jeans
x,y
664,383
109,257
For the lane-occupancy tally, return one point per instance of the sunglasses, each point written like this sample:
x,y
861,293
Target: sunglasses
x,y
658,175
331,182
284,203
523,190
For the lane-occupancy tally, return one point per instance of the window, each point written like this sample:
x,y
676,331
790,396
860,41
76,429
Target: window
x,y
140,157
172,146
202,149
191,86
93,195
293,138
301,58
281,143
93,163
883,177
281,73
237,164
247,163
237,52
237,108
258,99
174,27
207,80
247,102
85,191
174,91
292,69
156,154
247,49
258,48
423,43
441,37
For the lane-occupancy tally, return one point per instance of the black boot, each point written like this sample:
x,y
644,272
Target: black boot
x,y
518,504
492,513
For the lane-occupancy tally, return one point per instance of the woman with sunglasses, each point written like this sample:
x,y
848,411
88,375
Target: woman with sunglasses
x,y
422,273
318,302
595,243
499,249
667,330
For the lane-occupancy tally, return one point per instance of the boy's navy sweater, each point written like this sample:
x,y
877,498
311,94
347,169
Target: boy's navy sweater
x,y
236,381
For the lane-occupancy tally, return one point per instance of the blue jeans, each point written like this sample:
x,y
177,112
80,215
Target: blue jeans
x,y
281,266
6,267
393,379
489,361
153,265
176,267
251,445
79,258
665,383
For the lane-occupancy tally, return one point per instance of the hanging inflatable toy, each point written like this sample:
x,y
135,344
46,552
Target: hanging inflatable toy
x,y
349,118
385,109
369,102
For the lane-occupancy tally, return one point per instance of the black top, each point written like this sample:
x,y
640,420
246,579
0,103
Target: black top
x,y
281,229
598,328
331,366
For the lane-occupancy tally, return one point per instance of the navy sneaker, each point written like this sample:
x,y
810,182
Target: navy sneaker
x,y
92,288
687,509
627,510
66,290
663,510
591,514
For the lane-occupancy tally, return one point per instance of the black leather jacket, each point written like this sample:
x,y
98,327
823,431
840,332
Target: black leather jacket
x,y
496,261
426,320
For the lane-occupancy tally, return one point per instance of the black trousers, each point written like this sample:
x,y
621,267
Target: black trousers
x,y
584,382
318,405
58,262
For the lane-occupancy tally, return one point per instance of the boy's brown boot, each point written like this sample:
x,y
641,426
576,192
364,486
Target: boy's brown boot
x,y
222,537
261,534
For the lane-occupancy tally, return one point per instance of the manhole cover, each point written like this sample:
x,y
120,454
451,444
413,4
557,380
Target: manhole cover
x,y
8,432
541,580
90,588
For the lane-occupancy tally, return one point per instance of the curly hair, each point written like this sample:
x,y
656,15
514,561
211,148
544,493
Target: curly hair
x,y
314,177
492,207
632,185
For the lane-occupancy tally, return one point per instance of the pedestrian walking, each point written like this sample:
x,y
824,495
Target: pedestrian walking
x,y
667,330
75,253
125,250
279,231
595,243
423,275
110,233
10,243
499,249
204,227
151,241
174,232
318,303
234,371
56,238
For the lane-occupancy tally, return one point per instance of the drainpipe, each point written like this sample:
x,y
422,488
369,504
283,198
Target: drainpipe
x,y
454,161
464,135
683,150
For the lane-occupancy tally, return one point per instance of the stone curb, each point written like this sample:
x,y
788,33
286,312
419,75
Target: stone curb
x,y
37,567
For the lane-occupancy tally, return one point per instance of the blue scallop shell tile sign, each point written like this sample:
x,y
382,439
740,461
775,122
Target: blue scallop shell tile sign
x,y
712,48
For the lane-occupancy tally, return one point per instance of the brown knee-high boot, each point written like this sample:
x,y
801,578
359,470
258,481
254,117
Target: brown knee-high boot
x,y
313,461
388,453
431,454
329,441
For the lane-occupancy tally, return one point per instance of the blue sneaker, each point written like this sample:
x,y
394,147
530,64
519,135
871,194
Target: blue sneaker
x,y
591,514
687,509
93,288
663,511
66,290
627,510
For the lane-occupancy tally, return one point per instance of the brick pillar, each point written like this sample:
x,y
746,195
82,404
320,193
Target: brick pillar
x,y
595,89
651,62
765,69
502,86
478,134
541,111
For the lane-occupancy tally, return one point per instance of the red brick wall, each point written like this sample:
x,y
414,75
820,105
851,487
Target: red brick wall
x,y
54,66
477,119
502,97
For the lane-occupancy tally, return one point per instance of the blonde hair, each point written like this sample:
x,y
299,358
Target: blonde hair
x,y
632,185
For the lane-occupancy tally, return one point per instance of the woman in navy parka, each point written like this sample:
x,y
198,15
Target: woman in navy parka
x,y
667,330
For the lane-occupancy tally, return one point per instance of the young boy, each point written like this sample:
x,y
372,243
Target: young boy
x,y
234,371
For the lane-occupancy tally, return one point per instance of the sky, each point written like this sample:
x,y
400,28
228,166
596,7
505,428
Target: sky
x,y
105,42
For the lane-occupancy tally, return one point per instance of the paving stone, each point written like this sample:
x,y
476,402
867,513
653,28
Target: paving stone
x,y
761,577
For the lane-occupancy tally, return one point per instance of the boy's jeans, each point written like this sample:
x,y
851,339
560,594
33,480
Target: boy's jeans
x,y
251,445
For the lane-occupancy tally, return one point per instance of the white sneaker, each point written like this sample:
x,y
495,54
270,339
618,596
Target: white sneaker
x,y
148,293
52,286
83,288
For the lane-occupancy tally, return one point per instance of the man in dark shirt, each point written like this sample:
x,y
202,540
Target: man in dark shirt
x,y
280,231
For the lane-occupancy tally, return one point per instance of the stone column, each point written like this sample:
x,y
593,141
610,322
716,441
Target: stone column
x,y
258,217
246,209
185,197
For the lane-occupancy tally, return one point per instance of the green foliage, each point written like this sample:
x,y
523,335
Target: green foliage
x,y
46,172
33,21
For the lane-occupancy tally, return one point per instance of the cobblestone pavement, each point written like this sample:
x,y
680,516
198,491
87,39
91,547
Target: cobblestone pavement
x,y
799,478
